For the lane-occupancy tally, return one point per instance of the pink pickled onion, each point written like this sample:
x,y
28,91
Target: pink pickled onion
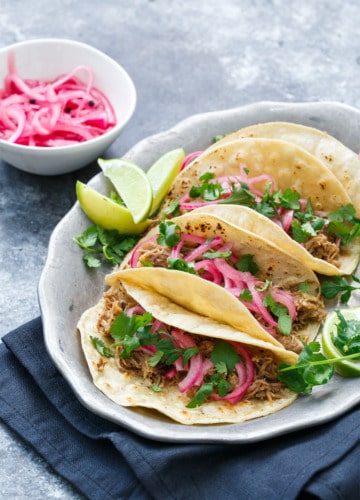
x,y
189,158
60,112
245,372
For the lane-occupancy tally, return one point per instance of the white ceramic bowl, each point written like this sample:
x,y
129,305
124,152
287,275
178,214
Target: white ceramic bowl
x,y
46,59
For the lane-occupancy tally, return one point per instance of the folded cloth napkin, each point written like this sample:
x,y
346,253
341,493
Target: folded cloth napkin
x,y
103,460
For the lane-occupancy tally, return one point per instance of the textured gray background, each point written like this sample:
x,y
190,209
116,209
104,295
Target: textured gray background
x,y
184,57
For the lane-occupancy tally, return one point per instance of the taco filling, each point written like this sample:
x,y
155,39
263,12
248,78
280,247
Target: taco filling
x,y
281,312
321,233
144,350
200,367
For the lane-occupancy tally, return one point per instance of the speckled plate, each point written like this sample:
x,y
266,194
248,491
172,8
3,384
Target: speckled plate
x,y
67,288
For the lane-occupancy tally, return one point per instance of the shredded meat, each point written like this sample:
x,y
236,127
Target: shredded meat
x,y
309,308
116,299
155,254
138,364
265,386
291,342
321,247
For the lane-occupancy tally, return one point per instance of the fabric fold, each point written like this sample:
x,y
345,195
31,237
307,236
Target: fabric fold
x,y
101,459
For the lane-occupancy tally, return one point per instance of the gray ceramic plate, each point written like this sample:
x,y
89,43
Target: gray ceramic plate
x,y
67,288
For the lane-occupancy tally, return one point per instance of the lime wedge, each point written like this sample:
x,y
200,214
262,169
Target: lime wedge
x,y
103,211
350,368
132,185
162,174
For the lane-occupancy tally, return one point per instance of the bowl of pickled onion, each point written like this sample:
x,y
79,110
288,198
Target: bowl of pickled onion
x,y
62,104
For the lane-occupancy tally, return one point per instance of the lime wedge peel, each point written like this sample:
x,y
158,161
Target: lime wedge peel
x,y
132,185
162,174
105,212
350,368
142,192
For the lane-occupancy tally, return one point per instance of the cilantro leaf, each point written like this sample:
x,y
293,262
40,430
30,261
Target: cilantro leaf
x,y
173,208
125,325
205,391
102,348
222,385
225,353
210,190
281,312
169,234
338,285
311,369
246,263
181,265
246,295
347,337
289,199
240,195
102,245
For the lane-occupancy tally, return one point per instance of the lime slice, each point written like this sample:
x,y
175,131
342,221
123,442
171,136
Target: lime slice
x,y
350,368
132,185
103,211
163,173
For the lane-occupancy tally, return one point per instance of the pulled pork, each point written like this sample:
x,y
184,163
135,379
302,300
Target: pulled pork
x,y
156,255
321,247
115,301
265,386
308,308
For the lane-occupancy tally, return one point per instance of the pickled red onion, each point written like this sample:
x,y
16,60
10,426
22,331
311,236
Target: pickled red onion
x,y
245,372
221,272
189,158
60,112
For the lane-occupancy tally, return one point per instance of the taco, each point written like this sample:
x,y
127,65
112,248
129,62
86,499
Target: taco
x,y
341,160
231,275
286,184
318,253
145,351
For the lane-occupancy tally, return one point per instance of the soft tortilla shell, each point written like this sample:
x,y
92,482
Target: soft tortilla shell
x,y
341,160
127,390
209,299
290,165
256,223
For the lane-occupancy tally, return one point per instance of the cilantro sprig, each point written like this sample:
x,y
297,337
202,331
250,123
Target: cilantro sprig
x,y
181,265
347,337
311,369
281,312
210,191
339,285
169,234
102,245
101,348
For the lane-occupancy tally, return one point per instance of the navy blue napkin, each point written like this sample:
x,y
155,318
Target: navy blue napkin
x,y
103,460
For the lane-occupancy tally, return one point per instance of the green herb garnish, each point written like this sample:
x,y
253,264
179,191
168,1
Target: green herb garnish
x,y
347,338
102,348
103,245
246,263
181,265
339,285
224,357
312,369
170,234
